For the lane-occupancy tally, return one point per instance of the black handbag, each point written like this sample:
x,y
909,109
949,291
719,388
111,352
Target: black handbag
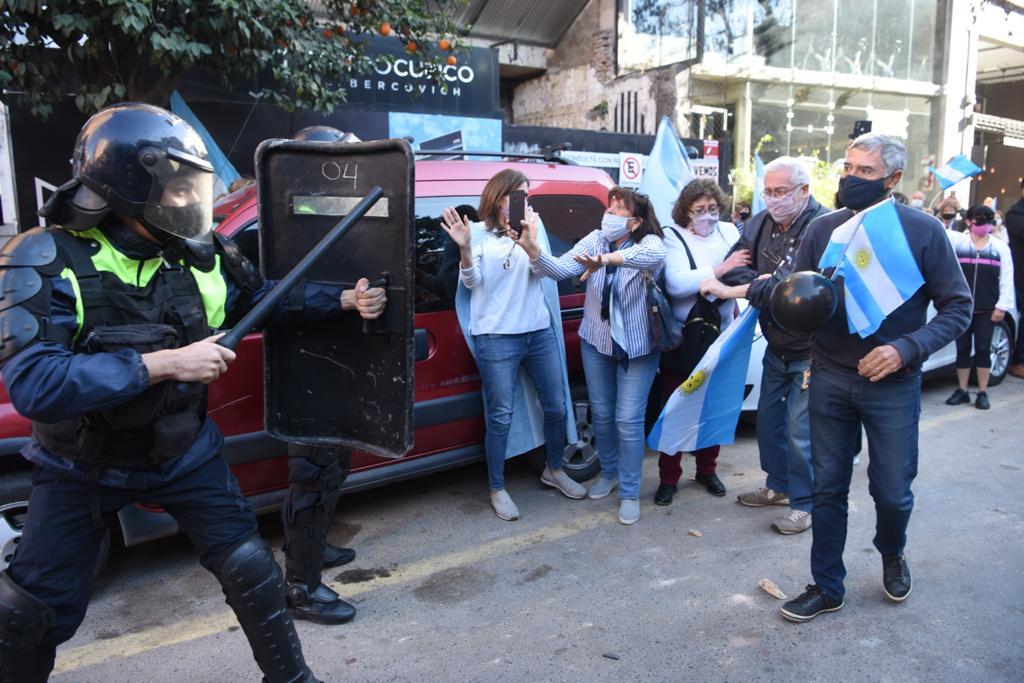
x,y
701,328
666,330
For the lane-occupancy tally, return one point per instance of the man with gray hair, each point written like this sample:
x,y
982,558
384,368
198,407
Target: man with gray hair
x,y
874,380
783,427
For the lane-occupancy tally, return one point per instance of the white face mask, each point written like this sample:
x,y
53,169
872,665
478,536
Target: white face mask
x,y
614,227
704,224
917,203
785,209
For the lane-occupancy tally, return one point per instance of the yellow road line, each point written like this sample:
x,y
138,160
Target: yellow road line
x,y
131,644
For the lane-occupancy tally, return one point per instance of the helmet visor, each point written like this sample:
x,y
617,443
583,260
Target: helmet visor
x,y
181,201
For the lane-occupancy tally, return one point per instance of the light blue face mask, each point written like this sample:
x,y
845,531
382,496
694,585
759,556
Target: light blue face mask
x,y
614,227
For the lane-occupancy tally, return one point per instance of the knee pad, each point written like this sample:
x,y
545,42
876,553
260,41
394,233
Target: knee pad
x,y
251,578
24,620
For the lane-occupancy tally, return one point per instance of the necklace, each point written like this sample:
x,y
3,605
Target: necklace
x,y
508,258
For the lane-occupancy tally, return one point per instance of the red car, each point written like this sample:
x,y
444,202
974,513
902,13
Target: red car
x,y
448,409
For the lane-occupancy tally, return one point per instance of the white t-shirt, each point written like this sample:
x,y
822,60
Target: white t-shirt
x,y
502,301
682,282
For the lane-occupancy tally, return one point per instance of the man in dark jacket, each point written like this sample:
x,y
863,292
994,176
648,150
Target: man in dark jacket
x,y
874,381
783,428
1015,229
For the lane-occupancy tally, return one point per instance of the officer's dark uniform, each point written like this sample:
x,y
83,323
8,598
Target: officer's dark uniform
x,y
78,310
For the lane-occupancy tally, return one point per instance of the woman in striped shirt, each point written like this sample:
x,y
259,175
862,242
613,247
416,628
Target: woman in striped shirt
x,y
619,359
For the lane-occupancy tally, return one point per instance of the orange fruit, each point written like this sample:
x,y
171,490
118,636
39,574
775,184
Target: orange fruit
x,y
385,29
411,46
452,60
328,33
354,11
444,44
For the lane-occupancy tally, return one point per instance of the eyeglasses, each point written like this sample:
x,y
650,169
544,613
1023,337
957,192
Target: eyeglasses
x,y
776,193
711,211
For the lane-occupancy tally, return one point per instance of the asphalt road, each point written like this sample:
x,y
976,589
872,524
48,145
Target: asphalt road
x,y
447,591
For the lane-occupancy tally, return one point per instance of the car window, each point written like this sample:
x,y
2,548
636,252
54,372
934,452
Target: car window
x,y
248,240
568,218
437,257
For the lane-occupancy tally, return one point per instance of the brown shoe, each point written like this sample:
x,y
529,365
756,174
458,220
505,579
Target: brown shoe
x,y
1017,371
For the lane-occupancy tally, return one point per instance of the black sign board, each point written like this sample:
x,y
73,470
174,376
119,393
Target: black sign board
x,y
340,381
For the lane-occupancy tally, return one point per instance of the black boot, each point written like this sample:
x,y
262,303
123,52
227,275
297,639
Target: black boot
x,y
321,605
305,556
254,588
336,556
24,620
712,483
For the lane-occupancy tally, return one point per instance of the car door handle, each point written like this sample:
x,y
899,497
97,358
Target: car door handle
x,y
422,344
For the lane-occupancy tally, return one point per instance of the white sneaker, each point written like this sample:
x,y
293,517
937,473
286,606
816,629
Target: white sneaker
x,y
602,488
794,522
629,511
503,505
563,482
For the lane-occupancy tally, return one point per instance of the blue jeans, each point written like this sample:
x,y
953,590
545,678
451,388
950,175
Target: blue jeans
x,y
618,404
498,357
784,430
889,410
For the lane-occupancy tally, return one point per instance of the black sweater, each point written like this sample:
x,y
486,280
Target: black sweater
x,y
906,328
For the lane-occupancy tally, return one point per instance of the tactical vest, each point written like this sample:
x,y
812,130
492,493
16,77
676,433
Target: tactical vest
x,y
159,306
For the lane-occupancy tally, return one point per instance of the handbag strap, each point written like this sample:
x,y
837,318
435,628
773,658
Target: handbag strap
x,y
689,254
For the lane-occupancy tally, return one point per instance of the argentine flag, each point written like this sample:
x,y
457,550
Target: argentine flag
x,y
224,172
667,172
871,253
757,204
704,410
955,170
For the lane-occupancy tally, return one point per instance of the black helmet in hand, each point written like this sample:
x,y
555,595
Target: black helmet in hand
x,y
146,163
803,301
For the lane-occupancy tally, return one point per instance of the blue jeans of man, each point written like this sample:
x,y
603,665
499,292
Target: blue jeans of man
x,y
840,401
618,404
499,357
784,430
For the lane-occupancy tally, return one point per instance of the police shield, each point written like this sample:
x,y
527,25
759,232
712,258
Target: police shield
x,y
340,381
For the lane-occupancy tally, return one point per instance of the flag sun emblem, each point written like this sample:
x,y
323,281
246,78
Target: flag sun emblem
x,y
862,259
693,382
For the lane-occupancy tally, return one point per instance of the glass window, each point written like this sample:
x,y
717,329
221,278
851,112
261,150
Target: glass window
x,y
567,219
814,37
437,257
653,33
737,27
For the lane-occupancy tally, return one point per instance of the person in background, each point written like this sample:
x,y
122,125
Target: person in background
x,y
948,213
988,267
740,216
619,358
1015,231
901,198
999,228
511,327
783,425
917,200
700,238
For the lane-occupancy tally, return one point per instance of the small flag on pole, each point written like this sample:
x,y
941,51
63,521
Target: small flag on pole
x,y
667,173
705,408
955,170
871,253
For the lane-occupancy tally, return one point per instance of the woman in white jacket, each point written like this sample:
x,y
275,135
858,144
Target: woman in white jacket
x,y
988,266
695,251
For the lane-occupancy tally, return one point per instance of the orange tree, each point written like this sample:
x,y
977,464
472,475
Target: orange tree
x,y
106,51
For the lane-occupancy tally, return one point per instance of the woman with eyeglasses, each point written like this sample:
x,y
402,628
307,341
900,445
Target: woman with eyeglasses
x,y
696,249
511,327
619,359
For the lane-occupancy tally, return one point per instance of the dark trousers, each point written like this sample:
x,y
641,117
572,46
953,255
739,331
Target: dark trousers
x,y
1018,353
980,332
889,410
60,540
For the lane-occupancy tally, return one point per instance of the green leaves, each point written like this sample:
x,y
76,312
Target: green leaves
x,y
112,50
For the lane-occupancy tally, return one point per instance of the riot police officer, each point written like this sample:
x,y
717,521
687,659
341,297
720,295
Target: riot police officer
x,y
315,476
106,346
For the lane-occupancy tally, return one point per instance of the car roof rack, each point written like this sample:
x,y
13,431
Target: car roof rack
x,y
550,155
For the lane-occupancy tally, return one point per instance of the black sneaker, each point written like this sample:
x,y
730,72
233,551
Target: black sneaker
x,y
813,602
959,397
896,577
981,403
663,496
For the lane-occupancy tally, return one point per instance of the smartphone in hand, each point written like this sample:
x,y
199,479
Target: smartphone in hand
x,y
516,210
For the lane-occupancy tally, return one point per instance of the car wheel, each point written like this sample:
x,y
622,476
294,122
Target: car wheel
x,y
580,460
1002,348
15,488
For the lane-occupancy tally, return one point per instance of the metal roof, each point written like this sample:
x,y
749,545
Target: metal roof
x,y
533,22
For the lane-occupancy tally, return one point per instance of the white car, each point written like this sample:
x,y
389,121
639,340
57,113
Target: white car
x,y
1003,337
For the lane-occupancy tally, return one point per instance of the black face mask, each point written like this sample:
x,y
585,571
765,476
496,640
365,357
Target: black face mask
x,y
744,215
948,216
857,193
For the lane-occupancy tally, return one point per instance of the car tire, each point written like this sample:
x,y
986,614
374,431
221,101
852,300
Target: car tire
x,y
580,461
1002,350
15,488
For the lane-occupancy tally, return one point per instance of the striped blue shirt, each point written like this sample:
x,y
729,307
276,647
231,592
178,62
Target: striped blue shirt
x,y
630,289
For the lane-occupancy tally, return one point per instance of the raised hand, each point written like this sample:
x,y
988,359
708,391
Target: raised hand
x,y
457,228
592,263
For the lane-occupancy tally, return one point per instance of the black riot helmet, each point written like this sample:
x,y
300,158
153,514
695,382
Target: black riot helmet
x,y
803,301
149,164
323,134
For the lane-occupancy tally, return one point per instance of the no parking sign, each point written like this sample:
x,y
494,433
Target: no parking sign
x,y
631,169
